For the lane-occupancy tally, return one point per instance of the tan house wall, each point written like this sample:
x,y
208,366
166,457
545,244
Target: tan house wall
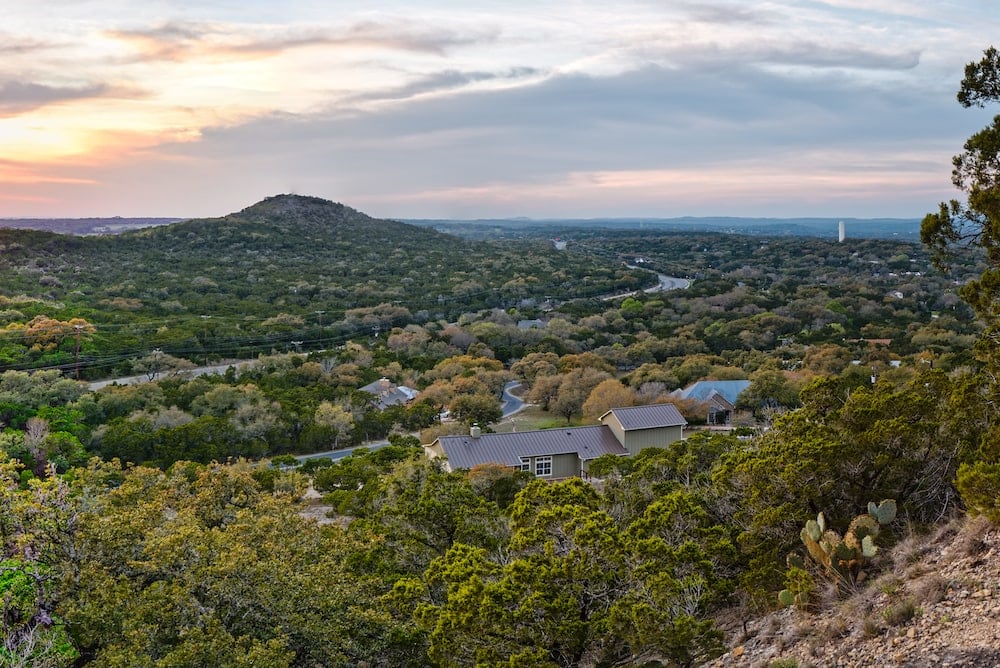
x,y
640,439
611,420
435,451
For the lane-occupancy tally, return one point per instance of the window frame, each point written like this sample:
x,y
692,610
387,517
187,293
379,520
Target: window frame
x,y
543,466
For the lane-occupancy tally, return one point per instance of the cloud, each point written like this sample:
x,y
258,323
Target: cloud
x,y
739,141
18,97
169,41
14,45
729,13
408,37
447,81
391,105
179,41
818,54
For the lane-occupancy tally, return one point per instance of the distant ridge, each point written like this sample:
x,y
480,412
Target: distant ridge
x,y
284,207
868,228
85,226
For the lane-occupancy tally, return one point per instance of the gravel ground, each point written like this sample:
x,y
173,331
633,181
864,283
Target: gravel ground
x,y
936,603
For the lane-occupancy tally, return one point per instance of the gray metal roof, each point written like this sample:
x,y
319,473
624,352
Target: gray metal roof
x,y
388,393
464,452
648,417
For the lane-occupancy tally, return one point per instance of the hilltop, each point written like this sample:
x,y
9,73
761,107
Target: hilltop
x,y
301,215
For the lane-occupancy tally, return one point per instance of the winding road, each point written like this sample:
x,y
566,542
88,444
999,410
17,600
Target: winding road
x,y
666,283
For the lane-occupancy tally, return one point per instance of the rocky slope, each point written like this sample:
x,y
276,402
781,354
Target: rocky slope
x,y
935,603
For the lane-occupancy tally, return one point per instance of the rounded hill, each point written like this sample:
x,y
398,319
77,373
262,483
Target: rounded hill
x,y
287,269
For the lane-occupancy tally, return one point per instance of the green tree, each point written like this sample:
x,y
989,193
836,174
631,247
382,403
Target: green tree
x,y
37,527
957,226
575,587
483,409
421,511
769,389
847,445
201,565
159,363
334,417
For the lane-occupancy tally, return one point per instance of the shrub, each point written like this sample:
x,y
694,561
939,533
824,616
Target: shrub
x,y
979,485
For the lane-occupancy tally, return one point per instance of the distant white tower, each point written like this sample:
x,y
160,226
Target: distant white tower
x,y
842,234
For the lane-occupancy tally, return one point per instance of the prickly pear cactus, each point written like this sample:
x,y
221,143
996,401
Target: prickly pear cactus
x,y
884,512
815,527
868,548
845,556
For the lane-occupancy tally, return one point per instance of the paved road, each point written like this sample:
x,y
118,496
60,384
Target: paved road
x,y
189,373
511,404
669,283
666,283
344,452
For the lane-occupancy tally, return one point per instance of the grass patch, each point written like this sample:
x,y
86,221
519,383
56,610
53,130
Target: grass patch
x,y
784,663
901,612
532,418
871,628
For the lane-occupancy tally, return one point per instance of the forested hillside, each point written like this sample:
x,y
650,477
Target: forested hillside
x,y
289,268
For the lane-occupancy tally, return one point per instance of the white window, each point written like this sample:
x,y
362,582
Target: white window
x,y
543,466
526,463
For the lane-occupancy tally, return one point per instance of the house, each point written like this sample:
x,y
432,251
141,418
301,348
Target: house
x,y
640,427
719,395
564,453
388,393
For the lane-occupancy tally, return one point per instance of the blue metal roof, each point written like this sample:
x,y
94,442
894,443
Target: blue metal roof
x,y
703,389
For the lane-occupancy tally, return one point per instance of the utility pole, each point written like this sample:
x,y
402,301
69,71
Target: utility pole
x,y
79,331
205,320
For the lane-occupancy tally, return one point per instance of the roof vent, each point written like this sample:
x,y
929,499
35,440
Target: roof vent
x,y
475,431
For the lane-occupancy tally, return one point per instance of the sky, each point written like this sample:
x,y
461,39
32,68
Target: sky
x,y
479,109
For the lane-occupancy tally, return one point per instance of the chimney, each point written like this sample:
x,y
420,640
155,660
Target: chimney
x,y
475,431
